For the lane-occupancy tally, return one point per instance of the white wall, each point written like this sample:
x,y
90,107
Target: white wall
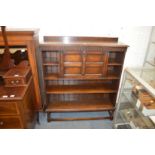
x,y
151,48
137,38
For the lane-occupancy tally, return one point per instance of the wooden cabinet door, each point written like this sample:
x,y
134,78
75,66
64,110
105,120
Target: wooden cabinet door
x,y
72,63
84,63
94,63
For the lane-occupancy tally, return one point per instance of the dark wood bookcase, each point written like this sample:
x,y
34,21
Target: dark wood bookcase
x,y
81,74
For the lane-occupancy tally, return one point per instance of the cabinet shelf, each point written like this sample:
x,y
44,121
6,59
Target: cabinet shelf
x,y
50,63
80,77
79,89
75,106
113,62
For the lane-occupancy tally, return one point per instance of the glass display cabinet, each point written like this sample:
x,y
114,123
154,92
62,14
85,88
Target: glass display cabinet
x,y
135,107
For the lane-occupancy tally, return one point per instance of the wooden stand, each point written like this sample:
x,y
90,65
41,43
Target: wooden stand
x,y
81,75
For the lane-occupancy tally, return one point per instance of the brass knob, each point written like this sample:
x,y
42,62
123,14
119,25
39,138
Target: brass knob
x,y
17,81
12,82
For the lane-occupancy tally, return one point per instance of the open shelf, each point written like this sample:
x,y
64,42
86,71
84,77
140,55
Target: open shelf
x,y
75,106
80,89
50,58
80,77
113,62
114,70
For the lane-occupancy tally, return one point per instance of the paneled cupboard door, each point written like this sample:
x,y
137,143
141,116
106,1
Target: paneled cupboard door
x,y
72,63
83,63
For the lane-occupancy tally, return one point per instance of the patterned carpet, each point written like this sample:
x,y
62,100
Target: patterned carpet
x,y
94,124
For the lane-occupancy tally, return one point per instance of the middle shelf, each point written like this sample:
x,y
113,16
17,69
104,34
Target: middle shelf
x,y
80,77
80,89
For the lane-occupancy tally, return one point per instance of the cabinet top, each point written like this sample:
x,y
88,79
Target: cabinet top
x,y
81,41
20,31
15,36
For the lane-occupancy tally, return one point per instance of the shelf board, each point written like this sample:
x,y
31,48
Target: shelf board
x,y
80,89
50,63
80,77
75,106
114,64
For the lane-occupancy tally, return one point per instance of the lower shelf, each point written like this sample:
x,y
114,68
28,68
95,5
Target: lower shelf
x,y
75,106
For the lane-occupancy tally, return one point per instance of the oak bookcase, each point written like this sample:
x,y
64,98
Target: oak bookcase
x,y
80,74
